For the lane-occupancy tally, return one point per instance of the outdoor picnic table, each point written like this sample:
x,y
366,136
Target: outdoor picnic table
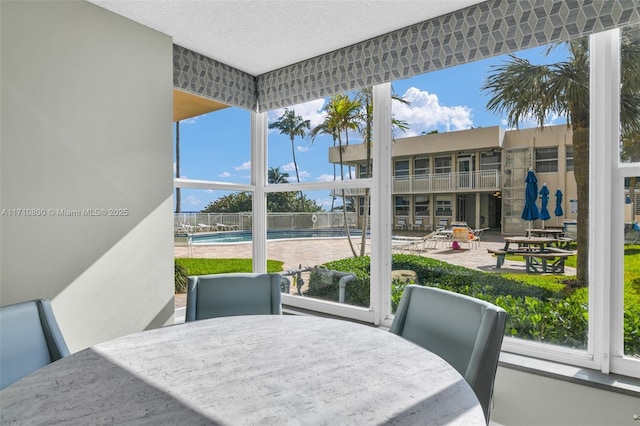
x,y
538,252
546,232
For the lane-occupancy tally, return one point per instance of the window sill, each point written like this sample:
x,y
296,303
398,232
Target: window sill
x,y
568,373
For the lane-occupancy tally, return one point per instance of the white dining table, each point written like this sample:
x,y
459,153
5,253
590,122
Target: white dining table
x,y
247,370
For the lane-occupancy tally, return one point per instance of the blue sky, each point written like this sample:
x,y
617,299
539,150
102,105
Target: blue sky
x,y
216,146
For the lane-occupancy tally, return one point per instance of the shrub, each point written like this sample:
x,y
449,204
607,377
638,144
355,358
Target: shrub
x,y
535,313
180,278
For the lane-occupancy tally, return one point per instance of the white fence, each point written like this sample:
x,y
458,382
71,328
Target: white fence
x,y
243,221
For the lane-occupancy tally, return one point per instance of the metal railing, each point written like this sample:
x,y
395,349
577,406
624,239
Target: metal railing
x,y
488,180
202,222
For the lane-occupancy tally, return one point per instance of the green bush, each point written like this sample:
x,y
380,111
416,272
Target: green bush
x,y
542,313
180,278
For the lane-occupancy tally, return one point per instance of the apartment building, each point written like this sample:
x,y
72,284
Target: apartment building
x,y
475,175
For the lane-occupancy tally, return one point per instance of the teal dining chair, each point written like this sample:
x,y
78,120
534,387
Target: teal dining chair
x,y
464,331
221,295
30,338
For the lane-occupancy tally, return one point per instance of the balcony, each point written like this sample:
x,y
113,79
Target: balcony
x,y
487,180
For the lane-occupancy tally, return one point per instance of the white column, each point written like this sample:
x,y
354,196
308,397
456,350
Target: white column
x,y
258,180
381,215
605,196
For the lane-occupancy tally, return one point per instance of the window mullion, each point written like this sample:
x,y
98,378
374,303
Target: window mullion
x,y
603,140
381,218
258,179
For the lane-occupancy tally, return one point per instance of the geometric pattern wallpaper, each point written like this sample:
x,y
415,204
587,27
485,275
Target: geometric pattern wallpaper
x,y
203,76
488,29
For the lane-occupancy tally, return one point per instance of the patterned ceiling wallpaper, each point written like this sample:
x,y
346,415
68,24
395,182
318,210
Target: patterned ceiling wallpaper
x,y
488,29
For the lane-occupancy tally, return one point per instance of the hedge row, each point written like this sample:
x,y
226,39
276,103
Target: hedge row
x,y
535,313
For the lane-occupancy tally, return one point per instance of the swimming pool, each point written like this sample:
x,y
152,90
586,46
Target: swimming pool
x,y
245,236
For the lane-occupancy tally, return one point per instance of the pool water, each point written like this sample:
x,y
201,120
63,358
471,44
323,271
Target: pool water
x,y
246,236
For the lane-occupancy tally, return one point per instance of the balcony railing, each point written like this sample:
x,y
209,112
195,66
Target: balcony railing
x,y
487,180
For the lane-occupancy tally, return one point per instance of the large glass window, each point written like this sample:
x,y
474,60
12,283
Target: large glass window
x,y
568,149
490,160
443,208
442,165
420,166
554,316
402,206
626,290
401,169
546,160
421,206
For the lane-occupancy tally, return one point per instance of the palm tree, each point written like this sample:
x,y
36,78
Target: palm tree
x,y
293,125
275,176
365,96
329,126
522,90
342,115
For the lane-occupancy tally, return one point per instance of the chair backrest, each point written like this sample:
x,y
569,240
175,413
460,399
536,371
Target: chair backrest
x,y
443,223
223,295
418,221
462,233
464,331
29,339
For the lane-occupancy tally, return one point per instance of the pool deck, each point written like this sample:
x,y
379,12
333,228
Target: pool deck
x,y
312,252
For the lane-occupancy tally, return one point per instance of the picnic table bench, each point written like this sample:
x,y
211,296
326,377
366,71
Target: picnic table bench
x,y
550,261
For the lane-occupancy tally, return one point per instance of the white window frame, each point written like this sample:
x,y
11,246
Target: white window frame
x,y
605,348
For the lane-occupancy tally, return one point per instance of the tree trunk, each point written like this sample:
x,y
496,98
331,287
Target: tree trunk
x,y
344,205
295,166
581,173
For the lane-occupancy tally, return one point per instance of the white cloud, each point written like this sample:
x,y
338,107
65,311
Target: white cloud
x,y
311,111
303,148
209,191
192,201
325,178
291,169
325,203
244,166
224,174
425,113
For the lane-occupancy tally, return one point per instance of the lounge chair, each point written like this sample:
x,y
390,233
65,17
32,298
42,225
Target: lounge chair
x,y
417,224
442,224
225,227
464,234
205,227
401,223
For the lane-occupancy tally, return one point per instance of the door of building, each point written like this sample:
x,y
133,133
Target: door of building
x,y
466,209
465,172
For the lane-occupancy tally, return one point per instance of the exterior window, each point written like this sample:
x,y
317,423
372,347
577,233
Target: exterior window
x,y
362,171
490,161
421,166
442,165
421,205
546,160
361,206
402,206
569,157
443,208
401,169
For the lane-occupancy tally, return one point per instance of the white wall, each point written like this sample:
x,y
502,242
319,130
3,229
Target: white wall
x,y
86,124
522,398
